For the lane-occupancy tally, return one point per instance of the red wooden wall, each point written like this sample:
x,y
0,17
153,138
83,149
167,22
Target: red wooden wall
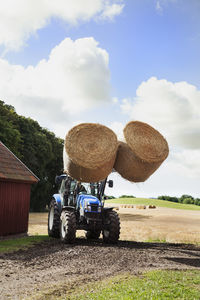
x,y
14,207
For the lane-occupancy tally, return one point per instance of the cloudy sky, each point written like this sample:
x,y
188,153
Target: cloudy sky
x,y
63,62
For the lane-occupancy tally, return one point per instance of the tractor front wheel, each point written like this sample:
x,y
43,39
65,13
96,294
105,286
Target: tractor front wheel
x,y
68,226
53,219
111,230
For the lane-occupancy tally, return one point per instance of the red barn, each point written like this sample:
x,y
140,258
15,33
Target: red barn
x,y
15,185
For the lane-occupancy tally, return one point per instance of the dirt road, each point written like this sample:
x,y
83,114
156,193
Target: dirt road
x,y
52,267
59,267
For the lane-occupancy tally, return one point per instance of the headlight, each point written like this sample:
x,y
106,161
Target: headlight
x,y
88,208
99,209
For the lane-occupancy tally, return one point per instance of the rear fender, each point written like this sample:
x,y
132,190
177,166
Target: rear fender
x,y
68,208
58,201
105,210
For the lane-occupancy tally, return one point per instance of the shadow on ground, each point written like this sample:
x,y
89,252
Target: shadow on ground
x,y
131,217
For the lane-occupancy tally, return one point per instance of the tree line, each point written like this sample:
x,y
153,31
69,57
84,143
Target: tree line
x,y
185,199
38,148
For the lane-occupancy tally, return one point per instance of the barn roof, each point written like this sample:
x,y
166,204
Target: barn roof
x,y
12,168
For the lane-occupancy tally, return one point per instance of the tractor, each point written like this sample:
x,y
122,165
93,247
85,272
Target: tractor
x,y
80,206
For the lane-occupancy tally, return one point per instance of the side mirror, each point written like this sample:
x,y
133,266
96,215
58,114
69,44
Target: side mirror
x,y
58,179
110,183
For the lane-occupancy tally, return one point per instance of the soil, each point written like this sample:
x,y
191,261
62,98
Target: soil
x,y
52,268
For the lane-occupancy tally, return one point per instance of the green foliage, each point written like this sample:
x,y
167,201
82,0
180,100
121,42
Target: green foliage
x,y
185,199
168,198
197,201
39,149
188,201
127,196
110,197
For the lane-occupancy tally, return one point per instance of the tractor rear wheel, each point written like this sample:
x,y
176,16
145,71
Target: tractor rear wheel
x,y
53,219
93,234
68,226
111,228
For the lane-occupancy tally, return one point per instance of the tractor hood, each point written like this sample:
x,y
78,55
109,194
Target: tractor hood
x,y
84,200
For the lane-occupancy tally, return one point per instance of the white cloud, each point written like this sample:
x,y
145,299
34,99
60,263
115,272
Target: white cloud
x,y
75,78
167,180
186,162
111,11
21,18
160,5
118,127
172,108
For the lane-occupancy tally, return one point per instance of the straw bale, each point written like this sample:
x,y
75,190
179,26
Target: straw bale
x,y
144,151
91,145
130,167
89,152
146,142
152,206
84,174
141,207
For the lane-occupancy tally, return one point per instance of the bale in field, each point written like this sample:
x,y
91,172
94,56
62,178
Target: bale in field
x,y
89,152
141,207
152,206
144,151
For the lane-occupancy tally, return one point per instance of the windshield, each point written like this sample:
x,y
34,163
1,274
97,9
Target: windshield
x,y
90,188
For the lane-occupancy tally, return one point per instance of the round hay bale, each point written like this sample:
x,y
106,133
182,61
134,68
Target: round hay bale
x,y
146,142
143,153
130,167
90,152
152,206
83,174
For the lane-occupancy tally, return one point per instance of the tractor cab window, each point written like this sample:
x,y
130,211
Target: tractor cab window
x,y
62,186
72,186
94,187
89,188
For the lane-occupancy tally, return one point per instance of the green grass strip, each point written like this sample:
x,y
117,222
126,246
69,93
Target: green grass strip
x,y
157,202
15,244
152,285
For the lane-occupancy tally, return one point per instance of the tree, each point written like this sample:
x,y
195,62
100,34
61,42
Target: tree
x,y
39,149
181,199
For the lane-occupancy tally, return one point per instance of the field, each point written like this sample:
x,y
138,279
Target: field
x,y
173,225
151,242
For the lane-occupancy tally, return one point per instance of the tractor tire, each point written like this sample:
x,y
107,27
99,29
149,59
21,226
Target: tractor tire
x,y
111,230
53,220
68,227
92,234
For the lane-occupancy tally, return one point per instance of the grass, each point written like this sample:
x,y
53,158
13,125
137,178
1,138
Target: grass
x,y
151,285
156,202
11,245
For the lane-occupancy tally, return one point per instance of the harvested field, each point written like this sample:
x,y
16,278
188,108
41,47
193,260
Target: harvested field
x,y
53,268
139,224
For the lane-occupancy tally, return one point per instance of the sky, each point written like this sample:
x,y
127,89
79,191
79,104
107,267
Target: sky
x,y
64,62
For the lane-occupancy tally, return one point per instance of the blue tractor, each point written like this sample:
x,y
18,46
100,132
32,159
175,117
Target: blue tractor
x,y
81,206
